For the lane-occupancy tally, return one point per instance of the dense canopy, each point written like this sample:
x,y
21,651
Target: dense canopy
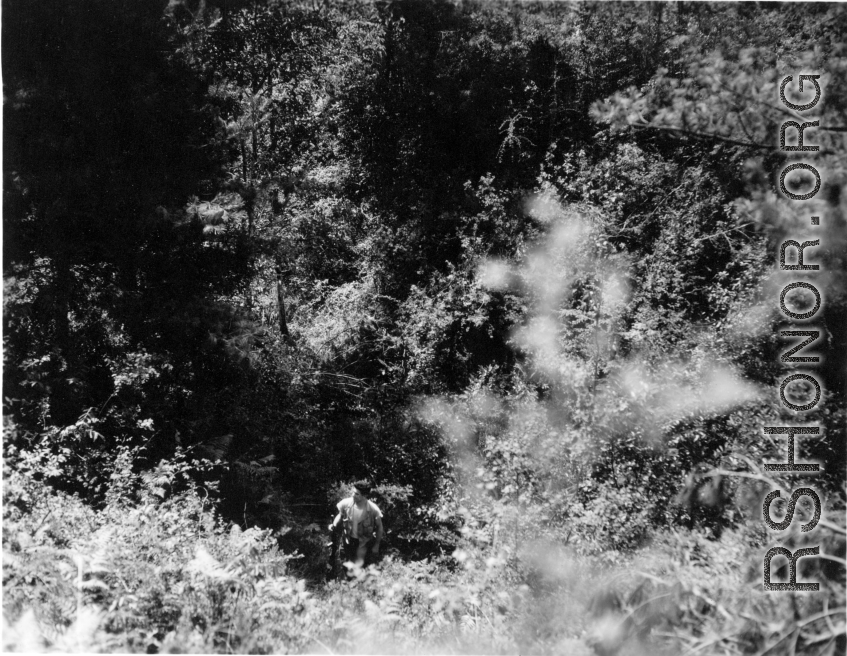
x,y
513,262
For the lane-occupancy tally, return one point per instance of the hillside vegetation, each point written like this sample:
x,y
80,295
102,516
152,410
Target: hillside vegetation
x,y
514,262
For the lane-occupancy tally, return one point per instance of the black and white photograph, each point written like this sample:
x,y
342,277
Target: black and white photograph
x,y
424,327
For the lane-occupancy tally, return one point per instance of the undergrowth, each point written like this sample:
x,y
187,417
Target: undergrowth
x,y
166,574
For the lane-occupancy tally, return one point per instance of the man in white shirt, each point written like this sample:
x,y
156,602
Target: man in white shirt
x,y
361,520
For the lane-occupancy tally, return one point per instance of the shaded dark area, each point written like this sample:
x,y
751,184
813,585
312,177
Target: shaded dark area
x,y
107,133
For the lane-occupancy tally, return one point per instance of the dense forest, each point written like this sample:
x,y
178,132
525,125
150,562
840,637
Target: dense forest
x,y
513,262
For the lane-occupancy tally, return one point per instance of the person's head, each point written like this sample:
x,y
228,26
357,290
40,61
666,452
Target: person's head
x,y
361,489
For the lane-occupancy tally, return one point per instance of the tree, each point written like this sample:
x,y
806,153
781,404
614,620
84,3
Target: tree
x,y
113,284
728,101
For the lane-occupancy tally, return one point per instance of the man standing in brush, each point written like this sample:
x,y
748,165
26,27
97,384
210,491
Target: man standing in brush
x,y
361,522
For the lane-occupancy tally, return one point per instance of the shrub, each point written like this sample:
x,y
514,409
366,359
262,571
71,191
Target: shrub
x,y
156,574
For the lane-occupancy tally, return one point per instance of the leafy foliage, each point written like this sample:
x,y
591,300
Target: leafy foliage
x,y
511,261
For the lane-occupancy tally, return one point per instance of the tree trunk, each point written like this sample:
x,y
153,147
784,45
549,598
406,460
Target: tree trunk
x,y
280,298
658,44
249,292
62,290
272,118
255,148
249,206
